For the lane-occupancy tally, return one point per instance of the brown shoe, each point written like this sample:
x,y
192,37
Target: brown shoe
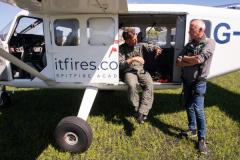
x,y
202,147
141,118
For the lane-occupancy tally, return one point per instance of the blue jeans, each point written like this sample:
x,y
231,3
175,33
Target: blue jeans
x,y
194,103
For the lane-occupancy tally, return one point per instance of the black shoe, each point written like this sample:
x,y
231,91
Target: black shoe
x,y
189,133
141,118
202,147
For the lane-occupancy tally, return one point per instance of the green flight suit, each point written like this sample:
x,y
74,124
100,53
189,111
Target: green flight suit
x,y
134,76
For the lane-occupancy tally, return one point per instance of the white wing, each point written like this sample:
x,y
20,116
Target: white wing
x,y
71,6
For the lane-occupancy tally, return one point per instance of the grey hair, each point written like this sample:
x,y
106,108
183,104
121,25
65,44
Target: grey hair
x,y
200,23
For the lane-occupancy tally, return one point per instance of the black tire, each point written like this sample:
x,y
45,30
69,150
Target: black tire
x,y
73,134
5,100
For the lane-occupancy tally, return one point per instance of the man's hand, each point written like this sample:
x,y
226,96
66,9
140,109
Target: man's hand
x,y
192,59
137,58
179,61
157,51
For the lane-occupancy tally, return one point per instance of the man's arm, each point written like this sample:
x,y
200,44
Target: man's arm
x,y
150,48
207,51
124,62
184,61
122,59
137,58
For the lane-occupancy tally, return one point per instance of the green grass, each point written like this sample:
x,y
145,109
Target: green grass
x,y
26,128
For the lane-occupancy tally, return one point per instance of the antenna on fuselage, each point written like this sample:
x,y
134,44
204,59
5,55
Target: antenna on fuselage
x,y
102,6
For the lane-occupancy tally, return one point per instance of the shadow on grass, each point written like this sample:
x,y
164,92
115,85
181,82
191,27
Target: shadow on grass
x,y
26,128
227,101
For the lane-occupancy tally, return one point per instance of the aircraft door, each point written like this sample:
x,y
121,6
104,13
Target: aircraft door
x,y
85,48
28,45
179,44
5,71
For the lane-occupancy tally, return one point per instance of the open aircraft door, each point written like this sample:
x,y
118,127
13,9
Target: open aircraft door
x,y
5,62
5,69
179,44
5,75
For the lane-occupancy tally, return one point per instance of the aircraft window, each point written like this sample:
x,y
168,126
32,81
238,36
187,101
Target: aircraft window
x,y
4,31
161,35
100,31
29,25
67,32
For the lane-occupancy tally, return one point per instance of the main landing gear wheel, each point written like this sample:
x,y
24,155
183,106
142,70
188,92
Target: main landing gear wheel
x,y
5,100
73,134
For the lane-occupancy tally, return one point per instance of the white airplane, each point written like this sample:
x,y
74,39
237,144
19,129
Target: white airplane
x,y
74,45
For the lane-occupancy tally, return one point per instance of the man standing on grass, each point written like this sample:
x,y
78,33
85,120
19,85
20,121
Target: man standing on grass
x,y
195,60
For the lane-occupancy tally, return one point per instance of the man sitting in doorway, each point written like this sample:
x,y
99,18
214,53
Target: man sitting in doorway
x,y
132,69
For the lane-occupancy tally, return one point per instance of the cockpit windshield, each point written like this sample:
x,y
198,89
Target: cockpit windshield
x,y
4,31
29,26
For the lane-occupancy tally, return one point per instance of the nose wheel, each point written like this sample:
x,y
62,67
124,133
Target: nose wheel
x,y
73,134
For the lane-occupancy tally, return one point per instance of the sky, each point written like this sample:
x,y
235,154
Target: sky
x,y
7,12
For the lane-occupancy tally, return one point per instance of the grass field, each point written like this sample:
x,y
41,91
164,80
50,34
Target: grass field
x,y
26,128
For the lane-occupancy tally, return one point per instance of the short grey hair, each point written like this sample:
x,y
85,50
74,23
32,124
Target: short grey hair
x,y
200,23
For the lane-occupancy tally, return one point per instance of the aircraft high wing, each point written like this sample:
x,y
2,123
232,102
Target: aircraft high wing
x,y
72,6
